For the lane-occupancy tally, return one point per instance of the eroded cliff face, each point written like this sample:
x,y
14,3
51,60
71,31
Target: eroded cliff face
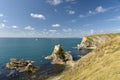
x,y
59,56
91,42
102,63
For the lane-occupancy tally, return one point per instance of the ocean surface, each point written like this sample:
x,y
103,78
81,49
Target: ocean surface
x,y
34,49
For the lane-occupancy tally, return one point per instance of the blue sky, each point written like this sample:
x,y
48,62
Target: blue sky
x,y
58,18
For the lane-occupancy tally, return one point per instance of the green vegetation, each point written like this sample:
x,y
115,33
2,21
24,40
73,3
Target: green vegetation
x,y
102,63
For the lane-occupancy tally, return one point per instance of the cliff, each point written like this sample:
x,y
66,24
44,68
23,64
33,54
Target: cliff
x,y
92,42
101,63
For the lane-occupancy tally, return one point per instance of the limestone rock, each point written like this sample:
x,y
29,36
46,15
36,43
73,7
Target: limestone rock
x,y
86,44
90,43
59,56
21,65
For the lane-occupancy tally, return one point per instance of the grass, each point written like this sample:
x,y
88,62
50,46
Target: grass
x,y
102,63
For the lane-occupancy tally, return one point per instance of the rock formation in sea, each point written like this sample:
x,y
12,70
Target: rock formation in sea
x,y
21,65
59,56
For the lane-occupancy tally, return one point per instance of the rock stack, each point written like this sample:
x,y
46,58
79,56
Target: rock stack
x,y
59,56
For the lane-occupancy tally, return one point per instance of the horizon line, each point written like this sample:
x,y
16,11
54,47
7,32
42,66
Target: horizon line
x,y
40,37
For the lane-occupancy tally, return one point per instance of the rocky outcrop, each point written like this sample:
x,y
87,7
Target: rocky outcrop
x,y
59,56
90,43
21,65
85,44
101,62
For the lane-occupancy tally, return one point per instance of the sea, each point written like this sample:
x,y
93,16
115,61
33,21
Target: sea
x,y
34,49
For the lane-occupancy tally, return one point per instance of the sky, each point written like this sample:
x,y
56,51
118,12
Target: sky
x,y
58,18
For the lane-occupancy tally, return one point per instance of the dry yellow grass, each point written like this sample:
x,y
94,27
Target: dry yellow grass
x,y
102,63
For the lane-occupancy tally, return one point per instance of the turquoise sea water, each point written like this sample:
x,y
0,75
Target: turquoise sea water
x,y
34,49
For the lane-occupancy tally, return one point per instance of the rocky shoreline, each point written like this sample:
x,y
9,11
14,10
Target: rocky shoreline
x,y
60,59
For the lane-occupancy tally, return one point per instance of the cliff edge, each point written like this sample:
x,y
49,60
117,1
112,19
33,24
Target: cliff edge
x,y
102,63
92,42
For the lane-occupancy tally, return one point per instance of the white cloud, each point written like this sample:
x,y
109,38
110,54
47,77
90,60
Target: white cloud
x,y
73,20
97,10
54,2
118,17
116,10
90,12
71,12
67,30
92,31
100,9
5,21
53,31
14,27
81,16
39,16
2,25
64,33
118,30
101,31
69,0
29,28
114,19
86,25
56,25
1,15
55,10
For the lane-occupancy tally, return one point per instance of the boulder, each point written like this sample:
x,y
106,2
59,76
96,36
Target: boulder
x,y
59,56
21,65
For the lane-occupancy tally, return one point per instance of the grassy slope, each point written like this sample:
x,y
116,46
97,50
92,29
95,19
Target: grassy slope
x,y
102,63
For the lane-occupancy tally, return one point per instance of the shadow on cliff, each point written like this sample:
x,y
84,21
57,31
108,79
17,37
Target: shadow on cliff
x,y
81,53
